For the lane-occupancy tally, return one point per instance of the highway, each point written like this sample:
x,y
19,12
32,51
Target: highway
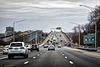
x,y
61,57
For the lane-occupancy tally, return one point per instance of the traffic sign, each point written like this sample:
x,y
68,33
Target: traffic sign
x,y
89,39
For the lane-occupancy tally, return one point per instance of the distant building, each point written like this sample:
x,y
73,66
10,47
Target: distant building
x,y
9,31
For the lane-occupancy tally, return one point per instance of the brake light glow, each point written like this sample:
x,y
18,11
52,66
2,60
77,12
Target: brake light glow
x,y
21,47
10,47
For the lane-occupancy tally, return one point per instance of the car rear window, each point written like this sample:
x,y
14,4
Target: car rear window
x,y
16,44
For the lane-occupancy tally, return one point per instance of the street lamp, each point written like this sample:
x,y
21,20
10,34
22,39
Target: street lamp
x,y
87,7
14,28
95,24
79,30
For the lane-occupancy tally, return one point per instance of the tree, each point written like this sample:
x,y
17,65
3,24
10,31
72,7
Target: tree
x,y
94,18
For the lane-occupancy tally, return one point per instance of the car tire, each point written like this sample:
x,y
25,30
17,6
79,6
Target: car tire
x,y
31,50
12,57
37,49
9,57
25,56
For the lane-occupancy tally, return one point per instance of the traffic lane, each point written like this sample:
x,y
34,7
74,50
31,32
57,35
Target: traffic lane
x,y
49,59
19,59
81,59
6,55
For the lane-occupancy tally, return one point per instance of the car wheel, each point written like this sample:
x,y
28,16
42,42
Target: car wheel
x,y
9,57
12,57
37,49
25,56
31,50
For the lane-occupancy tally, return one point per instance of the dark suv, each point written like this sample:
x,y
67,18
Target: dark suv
x,y
34,47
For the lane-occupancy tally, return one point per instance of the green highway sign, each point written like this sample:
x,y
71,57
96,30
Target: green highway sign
x,y
89,39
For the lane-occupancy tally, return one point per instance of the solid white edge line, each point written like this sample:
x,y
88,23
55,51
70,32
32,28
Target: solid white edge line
x,y
3,58
71,62
26,62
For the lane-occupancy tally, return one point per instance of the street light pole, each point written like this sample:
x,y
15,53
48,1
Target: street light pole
x,y
79,31
14,28
79,34
95,24
13,32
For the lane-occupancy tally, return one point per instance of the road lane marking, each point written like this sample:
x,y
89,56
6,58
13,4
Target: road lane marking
x,y
38,55
71,62
62,54
26,62
41,53
3,58
34,57
65,57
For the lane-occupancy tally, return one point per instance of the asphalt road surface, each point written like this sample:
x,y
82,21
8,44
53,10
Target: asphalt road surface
x,y
61,57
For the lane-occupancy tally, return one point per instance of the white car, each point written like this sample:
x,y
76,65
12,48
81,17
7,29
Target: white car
x,y
29,47
5,50
51,47
59,46
17,49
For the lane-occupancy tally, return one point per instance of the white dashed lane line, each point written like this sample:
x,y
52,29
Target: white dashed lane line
x,y
38,55
62,54
65,57
34,57
26,62
71,62
41,53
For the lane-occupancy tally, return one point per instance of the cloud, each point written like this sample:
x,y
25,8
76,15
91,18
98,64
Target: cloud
x,y
43,11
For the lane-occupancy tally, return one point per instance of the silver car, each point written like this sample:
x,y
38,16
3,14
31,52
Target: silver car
x,y
5,50
51,47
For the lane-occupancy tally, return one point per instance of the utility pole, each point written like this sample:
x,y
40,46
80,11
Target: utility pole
x,y
36,37
13,32
14,28
95,35
79,31
79,35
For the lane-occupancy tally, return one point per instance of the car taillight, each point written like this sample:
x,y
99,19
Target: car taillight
x,y
10,47
37,46
21,47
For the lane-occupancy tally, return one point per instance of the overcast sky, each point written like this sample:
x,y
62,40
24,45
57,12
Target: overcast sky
x,y
44,14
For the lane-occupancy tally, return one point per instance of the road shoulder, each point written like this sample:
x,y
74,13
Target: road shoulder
x,y
90,53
